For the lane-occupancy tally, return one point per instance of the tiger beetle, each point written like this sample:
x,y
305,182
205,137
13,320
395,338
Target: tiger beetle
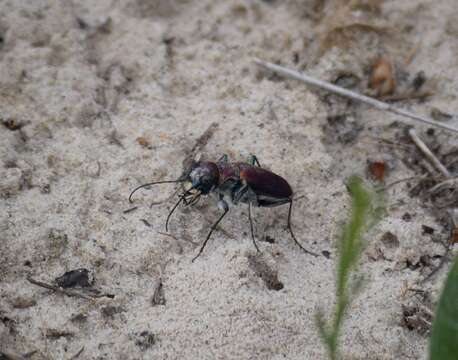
x,y
239,182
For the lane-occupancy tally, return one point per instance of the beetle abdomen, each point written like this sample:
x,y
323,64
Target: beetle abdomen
x,y
265,182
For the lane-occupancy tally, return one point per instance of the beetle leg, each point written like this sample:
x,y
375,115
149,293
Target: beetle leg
x,y
243,193
240,194
224,159
195,200
182,198
237,195
253,160
188,197
251,227
195,197
222,205
291,231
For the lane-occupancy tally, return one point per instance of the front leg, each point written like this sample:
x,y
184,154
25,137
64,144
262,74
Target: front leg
x,y
246,195
239,193
251,228
222,204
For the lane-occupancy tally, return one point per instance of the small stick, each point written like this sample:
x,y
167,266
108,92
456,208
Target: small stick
x,y
58,289
130,210
77,354
30,353
429,323
428,167
67,292
380,105
451,202
442,185
425,309
11,356
146,222
421,177
431,157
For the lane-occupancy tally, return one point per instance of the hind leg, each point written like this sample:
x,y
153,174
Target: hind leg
x,y
223,206
291,231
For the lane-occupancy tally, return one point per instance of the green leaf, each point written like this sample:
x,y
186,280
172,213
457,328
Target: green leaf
x,y
362,217
444,338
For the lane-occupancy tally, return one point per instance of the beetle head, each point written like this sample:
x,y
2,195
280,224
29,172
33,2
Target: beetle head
x,y
199,178
203,176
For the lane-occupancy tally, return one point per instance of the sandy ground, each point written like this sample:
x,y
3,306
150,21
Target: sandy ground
x,y
97,97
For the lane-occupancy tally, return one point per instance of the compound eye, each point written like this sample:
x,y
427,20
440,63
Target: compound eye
x,y
205,184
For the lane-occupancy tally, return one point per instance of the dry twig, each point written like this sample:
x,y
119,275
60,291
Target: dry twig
x,y
130,210
380,105
71,293
444,184
77,354
420,177
8,355
431,157
58,289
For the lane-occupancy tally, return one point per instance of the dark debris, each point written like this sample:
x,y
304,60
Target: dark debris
x,y
158,296
269,239
12,124
427,230
390,240
417,314
340,129
268,275
79,277
110,311
144,340
419,80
